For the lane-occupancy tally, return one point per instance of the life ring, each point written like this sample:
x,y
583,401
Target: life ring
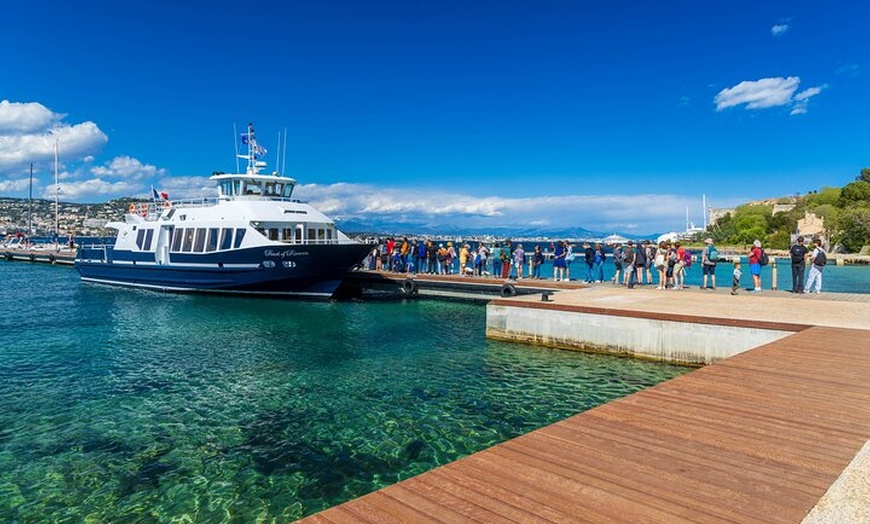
x,y
132,209
508,290
409,286
143,209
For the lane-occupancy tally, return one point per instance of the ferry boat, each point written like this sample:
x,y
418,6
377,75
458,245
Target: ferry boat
x,y
252,238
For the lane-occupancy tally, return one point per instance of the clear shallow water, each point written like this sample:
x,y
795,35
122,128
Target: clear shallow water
x,y
124,405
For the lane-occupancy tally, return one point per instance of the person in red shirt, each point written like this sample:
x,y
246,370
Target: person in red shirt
x,y
755,264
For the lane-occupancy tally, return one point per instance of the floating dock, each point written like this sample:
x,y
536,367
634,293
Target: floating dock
x,y
778,432
46,256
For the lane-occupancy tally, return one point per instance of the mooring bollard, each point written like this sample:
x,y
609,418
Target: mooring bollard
x,y
773,269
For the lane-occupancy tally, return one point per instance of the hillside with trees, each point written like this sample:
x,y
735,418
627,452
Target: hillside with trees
x,y
846,213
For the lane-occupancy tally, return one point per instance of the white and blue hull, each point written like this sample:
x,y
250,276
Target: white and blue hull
x,y
312,271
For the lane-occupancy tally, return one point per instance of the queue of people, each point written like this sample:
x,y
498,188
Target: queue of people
x,y
643,263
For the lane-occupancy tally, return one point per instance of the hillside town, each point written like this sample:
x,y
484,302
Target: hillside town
x,y
37,218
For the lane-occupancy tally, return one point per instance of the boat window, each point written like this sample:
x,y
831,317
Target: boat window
x,y
288,190
270,189
226,187
188,239
300,230
252,188
273,233
240,234
200,240
149,236
321,235
287,234
226,238
329,234
312,234
176,239
212,242
139,238
237,187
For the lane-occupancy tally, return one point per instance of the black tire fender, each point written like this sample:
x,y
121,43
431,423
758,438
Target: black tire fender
x,y
508,290
409,286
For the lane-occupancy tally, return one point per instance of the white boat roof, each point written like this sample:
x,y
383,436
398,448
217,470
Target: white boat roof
x,y
253,177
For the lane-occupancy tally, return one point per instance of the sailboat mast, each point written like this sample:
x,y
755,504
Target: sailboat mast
x,y
56,191
30,204
704,209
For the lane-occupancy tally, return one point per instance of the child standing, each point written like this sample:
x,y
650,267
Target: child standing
x,y
735,283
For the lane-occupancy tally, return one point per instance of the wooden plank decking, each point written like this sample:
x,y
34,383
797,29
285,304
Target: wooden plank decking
x,y
758,437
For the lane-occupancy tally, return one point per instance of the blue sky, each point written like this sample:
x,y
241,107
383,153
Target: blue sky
x,y
612,116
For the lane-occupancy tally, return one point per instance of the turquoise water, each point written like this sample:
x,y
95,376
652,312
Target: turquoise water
x,y
119,405
835,279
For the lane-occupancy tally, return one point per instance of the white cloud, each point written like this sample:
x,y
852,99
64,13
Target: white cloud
x,y
91,190
778,29
10,186
127,167
186,187
18,117
766,93
29,131
609,212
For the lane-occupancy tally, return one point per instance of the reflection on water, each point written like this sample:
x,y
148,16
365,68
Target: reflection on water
x,y
124,405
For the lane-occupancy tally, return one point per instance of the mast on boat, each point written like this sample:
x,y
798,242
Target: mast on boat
x,y
255,151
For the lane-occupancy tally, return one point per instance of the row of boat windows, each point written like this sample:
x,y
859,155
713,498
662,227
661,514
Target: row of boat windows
x,y
206,240
195,239
296,234
251,187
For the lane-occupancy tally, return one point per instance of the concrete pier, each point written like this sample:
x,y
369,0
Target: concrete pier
x,y
686,327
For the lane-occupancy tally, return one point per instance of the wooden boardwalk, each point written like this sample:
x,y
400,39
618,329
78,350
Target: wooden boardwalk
x,y
758,437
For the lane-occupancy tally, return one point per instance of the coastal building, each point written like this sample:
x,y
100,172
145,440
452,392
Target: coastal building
x,y
714,214
810,226
783,208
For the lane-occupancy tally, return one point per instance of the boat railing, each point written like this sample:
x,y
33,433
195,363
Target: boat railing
x,y
151,211
96,252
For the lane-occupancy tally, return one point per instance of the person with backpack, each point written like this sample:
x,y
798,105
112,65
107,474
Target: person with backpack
x,y
755,254
600,257
818,258
709,259
537,262
640,262
680,266
798,253
617,262
589,258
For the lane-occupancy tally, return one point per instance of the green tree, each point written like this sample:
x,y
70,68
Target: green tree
x,y
865,175
855,232
749,228
831,214
780,239
856,193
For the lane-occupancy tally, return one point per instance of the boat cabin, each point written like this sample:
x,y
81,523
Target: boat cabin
x,y
231,187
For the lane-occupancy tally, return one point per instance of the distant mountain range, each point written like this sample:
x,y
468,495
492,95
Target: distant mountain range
x,y
385,228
